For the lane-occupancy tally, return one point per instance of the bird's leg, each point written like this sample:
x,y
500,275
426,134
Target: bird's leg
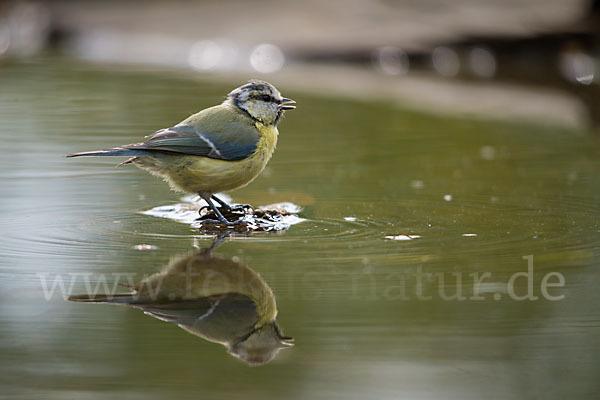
x,y
222,203
206,197
228,208
219,238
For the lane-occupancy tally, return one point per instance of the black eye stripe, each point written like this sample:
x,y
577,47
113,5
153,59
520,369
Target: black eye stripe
x,y
263,97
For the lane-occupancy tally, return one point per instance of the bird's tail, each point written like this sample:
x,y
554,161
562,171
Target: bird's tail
x,y
117,151
102,298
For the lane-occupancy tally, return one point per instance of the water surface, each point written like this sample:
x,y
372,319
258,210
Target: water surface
x,y
370,315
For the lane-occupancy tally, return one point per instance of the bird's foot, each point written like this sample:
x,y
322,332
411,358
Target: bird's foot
x,y
228,212
204,210
244,208
207,215
228,208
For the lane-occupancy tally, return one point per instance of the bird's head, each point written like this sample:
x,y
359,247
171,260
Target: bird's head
x,y
261,101
261,345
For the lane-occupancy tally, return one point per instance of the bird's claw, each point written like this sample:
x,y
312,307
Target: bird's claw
x,y
207,208
223,216
237,208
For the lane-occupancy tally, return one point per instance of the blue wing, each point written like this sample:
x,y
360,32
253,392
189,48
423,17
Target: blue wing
x,y
222,318
231,142
216,132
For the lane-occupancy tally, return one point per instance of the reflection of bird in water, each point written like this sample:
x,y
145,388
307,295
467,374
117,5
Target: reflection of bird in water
x,y
218,299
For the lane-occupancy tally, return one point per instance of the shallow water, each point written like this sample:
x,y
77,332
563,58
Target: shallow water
x,y
367,318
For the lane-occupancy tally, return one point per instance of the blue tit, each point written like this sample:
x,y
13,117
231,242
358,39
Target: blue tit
x,y
215,298
218,149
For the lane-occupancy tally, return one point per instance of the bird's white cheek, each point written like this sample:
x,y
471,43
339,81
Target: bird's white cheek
x,y
261,112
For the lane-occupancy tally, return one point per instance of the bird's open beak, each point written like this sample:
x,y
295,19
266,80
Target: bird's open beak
x,y
287,104
286,342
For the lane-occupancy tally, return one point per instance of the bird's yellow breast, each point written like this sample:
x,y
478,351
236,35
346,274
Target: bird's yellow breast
x,y
194,174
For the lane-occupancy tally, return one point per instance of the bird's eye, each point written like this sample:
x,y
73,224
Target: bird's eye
x,y
266,97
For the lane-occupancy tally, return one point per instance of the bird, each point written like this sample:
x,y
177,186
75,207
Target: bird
x,y
211,296
218,149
